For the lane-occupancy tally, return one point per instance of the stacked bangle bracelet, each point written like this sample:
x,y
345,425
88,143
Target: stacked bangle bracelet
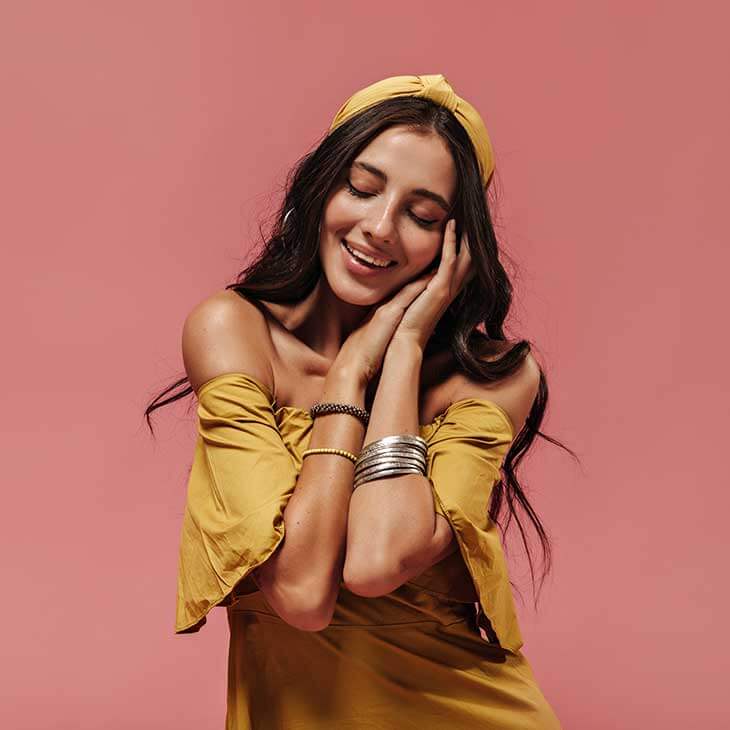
x,y
386,457
391,456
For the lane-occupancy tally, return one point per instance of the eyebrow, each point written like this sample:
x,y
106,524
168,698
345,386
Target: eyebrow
x,y
423,192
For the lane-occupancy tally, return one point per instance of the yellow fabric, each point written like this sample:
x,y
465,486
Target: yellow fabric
x,y
431,86
240,481
417,650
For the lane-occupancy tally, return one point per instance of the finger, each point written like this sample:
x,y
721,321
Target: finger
x,y
448,253
409,291
417,285
424,276
465,267
449,249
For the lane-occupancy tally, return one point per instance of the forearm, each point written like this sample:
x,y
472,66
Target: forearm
x,y
307,567
392,521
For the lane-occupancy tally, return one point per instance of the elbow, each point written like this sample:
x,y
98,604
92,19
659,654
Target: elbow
x,y
308,619
371,579
303,610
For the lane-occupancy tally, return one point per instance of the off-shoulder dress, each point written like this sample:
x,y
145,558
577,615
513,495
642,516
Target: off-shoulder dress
x,y
441,651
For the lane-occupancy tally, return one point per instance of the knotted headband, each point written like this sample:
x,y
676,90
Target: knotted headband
x,y
436,88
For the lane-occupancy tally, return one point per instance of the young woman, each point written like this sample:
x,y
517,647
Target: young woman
x,y
357,405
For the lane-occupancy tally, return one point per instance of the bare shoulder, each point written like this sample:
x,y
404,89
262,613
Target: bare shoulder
x,y
515,394
226,333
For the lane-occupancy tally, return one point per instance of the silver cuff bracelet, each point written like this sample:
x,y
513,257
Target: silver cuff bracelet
x,y
391,456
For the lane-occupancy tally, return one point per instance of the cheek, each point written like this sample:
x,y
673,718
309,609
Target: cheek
x,y
339,212
419,248
420,254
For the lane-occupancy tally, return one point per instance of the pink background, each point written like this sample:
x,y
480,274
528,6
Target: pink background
x,y
141,143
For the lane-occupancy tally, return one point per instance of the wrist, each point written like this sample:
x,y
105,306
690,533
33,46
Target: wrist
x,y
344,384
405,346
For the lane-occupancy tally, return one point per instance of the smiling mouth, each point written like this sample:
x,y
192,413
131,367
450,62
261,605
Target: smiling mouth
x,y
362,260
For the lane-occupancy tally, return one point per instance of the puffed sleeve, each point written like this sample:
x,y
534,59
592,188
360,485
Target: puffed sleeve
x,y
465,453
240,482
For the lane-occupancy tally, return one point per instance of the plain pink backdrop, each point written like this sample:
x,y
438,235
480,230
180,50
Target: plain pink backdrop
x,y
142,142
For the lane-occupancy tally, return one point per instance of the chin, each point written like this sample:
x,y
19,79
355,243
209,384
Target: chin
x,y
357,296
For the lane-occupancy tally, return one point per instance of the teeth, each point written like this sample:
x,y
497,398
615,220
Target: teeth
x,y
364,257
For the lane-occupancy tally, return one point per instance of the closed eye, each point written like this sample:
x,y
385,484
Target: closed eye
x,y
361,194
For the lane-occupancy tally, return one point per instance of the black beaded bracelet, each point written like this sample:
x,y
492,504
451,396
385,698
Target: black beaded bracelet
x,y
321,409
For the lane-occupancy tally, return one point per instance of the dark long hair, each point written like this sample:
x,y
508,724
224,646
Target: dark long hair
x,y
287,269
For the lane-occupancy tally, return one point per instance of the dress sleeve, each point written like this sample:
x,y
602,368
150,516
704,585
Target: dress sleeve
x,y
465,453
240,482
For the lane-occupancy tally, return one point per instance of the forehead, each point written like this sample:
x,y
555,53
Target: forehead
x,y
412,159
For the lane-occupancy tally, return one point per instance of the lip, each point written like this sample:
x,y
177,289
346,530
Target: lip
x,y
368,251
356,268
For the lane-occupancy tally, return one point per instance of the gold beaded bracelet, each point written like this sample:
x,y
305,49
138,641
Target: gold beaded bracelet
x,y
341,452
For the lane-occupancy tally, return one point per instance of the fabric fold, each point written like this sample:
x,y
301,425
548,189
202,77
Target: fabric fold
x,y
240,482
245,468
465,454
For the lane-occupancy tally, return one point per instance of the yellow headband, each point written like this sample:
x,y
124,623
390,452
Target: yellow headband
x,y
436,88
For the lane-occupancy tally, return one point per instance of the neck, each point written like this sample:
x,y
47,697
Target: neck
x,y
322,320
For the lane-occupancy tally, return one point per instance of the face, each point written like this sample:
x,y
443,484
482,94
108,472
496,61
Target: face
x,y
391,203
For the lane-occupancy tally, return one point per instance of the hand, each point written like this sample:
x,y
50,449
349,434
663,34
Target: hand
x,y
422,316
362,353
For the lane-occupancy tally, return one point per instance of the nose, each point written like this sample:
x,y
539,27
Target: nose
x,y
379,223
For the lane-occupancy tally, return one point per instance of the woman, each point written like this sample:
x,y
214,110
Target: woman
x,y
357,402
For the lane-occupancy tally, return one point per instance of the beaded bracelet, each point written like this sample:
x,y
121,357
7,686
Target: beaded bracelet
x,y
321,409
323,450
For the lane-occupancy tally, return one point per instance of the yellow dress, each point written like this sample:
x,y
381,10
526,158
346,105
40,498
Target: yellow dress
x,y
414,658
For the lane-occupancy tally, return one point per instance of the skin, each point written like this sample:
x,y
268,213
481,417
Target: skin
x,y
381,213
307,338
384,219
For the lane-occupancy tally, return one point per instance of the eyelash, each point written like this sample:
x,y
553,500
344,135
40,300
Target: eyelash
x,y
360,194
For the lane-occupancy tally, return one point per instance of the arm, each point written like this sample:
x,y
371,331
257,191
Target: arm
x,y
300,579
392,536
393,532
305,571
